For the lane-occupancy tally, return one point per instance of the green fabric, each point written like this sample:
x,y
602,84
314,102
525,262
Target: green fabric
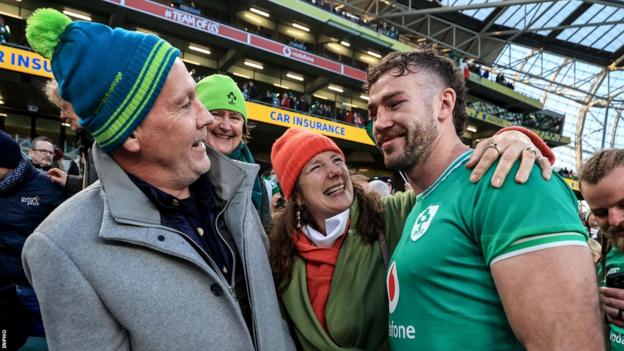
x,y
259,193
356,310
614,263
44,29
130,112
441,292
220,92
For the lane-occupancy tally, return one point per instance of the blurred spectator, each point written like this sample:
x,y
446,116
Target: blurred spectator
x,y
349,117
315,108
27,196
285,100
602,185
268,98
5,32
304,105
188,6
500,79
463,66
381,28
359,119
275,99
245,91
83,172
294,101
380,187
253,92
41,153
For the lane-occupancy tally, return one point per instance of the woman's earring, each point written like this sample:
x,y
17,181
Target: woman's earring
x,y
298,216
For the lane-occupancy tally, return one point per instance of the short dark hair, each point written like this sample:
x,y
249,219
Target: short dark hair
x,y
601,164
426,57
41,138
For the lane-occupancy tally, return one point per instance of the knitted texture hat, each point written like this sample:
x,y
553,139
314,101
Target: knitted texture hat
x,y
220,92
10,152
112,77
292,151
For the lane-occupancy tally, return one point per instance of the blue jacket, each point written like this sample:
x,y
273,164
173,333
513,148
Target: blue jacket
x,y
27,196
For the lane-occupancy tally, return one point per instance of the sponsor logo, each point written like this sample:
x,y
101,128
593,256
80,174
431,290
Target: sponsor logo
x,y
613,270
616,338
392,283
288,52
423,221
399,331
30,201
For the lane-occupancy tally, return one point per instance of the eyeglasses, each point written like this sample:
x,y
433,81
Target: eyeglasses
x,y
44,151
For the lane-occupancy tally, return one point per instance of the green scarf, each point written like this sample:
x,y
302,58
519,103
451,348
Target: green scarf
x,y
259,194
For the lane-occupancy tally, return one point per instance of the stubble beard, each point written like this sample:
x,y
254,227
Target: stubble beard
x,y
418,147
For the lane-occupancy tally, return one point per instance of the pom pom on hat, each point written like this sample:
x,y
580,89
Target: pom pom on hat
x,y
292,151
44,29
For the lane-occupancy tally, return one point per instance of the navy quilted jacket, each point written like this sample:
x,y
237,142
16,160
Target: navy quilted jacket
x,y
23,205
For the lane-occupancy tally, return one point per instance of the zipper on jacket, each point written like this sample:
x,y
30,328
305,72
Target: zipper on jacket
x,y
243,262
216,226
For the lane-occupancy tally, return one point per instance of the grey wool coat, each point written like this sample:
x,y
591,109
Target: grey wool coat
x,y
109,276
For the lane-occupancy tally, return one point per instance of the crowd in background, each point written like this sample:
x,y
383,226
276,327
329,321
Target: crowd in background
x,y
303,103
381,27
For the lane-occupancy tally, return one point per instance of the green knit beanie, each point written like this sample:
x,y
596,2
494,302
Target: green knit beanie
x,y
220,92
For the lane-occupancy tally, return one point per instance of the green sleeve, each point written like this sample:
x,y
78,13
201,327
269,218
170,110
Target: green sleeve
x,y
396,209
518,219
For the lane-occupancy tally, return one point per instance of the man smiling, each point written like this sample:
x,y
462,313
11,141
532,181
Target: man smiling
x,y
477,268
160,254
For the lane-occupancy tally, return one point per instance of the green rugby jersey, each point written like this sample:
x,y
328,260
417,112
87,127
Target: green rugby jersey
x,y
440,291
614,263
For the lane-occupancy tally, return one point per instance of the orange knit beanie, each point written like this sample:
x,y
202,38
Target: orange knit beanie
x,y
292,151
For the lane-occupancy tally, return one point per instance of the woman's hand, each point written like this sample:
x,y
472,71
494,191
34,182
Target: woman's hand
x,y
509,146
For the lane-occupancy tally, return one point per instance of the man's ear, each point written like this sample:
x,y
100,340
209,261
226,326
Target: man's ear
x,y
132,144
447,103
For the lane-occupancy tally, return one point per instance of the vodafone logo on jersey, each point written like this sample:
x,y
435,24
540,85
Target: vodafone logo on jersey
x,y
392,284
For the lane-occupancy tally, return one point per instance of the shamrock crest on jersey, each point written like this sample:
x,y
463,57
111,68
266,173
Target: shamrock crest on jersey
x,y
423,221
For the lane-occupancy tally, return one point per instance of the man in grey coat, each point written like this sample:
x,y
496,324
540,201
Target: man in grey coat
x,y
165,251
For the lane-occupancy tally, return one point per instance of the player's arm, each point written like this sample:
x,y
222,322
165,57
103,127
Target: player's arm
x,y
550,297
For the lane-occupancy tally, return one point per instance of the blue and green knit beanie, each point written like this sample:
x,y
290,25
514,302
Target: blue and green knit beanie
x,y
112,77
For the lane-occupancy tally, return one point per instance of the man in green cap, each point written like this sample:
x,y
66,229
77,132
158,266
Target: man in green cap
x,y
229,134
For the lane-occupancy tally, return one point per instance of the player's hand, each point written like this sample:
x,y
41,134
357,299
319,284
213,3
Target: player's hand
x,y
509,146
612,302
58,176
